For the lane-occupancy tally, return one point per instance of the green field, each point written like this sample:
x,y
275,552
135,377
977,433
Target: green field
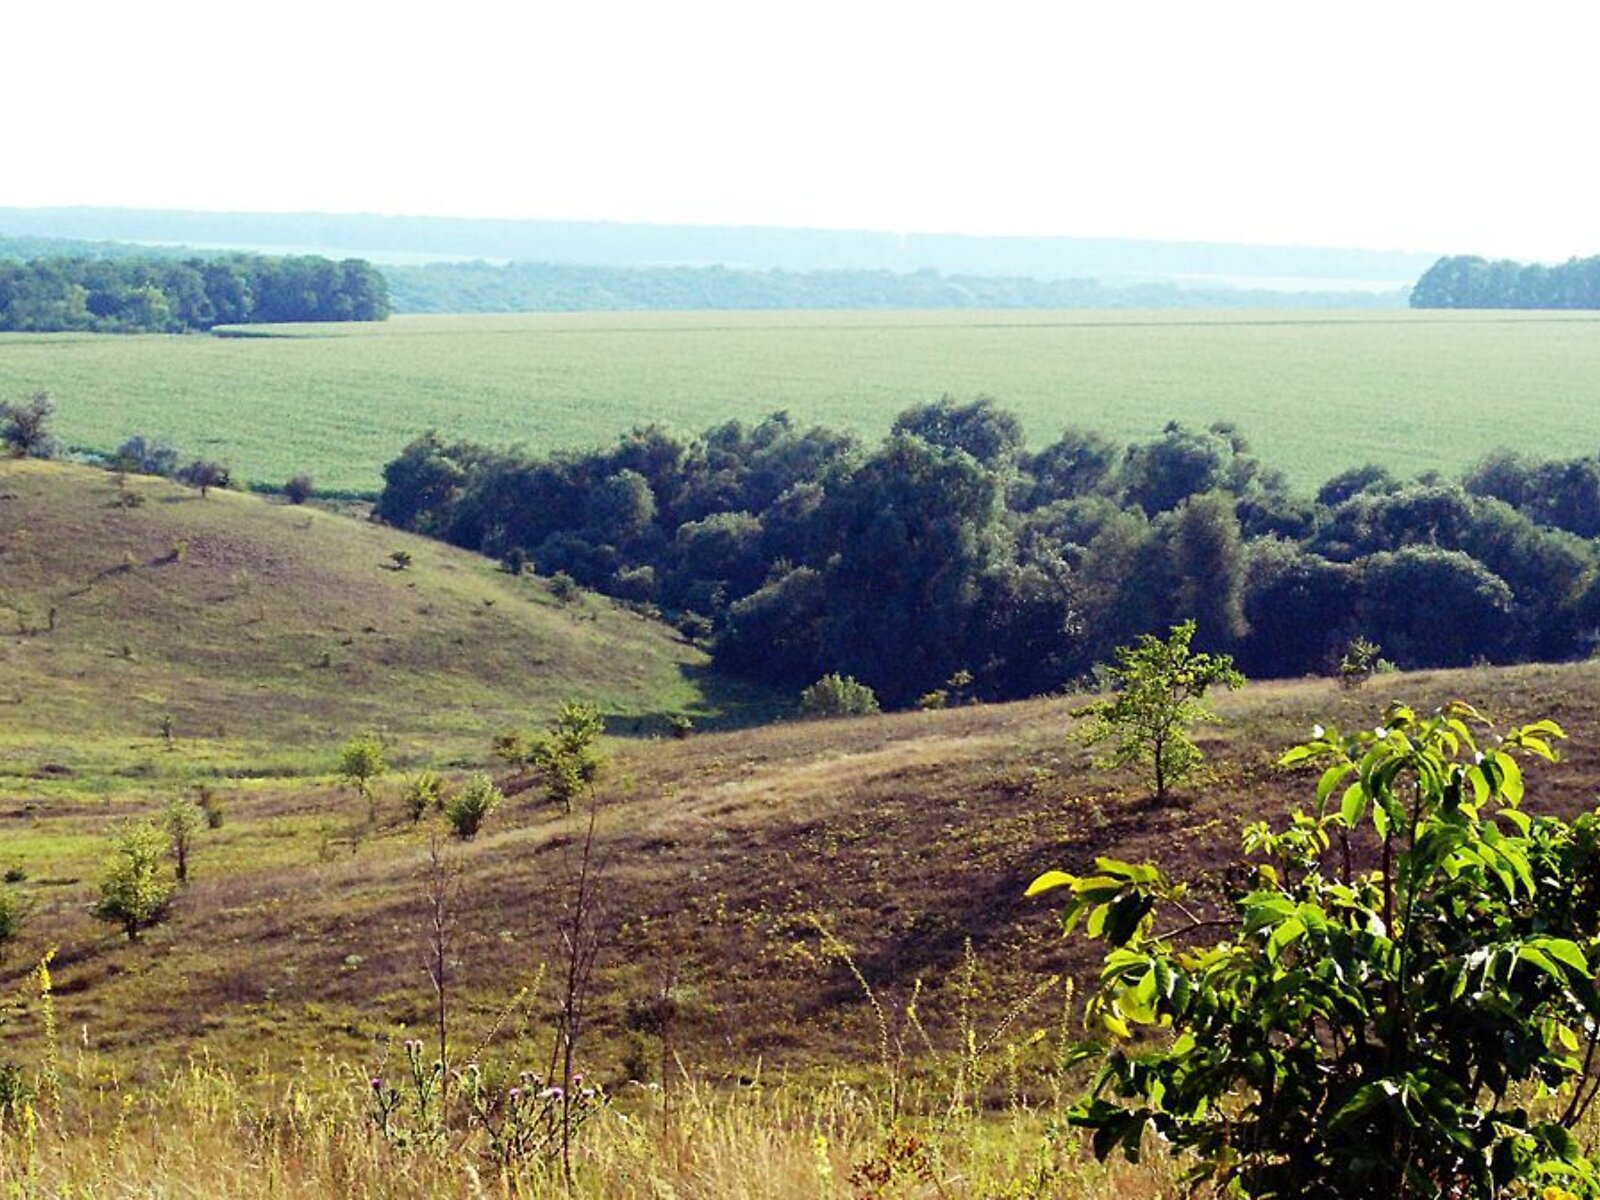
x,y
1314,392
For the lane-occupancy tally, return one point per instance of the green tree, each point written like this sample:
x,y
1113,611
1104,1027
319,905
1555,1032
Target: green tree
x,y
134,893
1161,687
566,754
204,474
361,761
1402,1005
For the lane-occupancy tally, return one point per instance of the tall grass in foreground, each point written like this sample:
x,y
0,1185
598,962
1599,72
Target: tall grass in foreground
x,y
201,1133
982,1121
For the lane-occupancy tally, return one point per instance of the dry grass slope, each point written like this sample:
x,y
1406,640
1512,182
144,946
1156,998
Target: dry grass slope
x,y
268,632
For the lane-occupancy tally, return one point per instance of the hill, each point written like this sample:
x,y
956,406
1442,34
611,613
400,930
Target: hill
x,y
774,907
721,860
269,633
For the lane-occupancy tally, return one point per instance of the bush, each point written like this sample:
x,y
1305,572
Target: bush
x,y
467,809
183,821
1362,660
212,806
838,696
133,892
425,790
299,489
141,456
1372,1031
564,587
25,427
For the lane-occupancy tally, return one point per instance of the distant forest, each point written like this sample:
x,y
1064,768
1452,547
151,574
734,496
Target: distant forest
x,y
556,287
1466,281
635,244
948,549
162,294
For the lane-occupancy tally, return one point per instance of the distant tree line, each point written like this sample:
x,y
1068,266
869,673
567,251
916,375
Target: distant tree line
x,y
160,294
950,549
567,287
1466,281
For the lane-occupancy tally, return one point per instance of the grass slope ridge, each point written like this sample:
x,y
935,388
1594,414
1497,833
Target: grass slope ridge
x,y
723,858
269,633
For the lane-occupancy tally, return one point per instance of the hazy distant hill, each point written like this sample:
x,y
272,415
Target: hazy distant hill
x,y
421,239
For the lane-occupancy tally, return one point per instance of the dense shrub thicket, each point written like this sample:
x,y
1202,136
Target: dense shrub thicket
x,y
165,295
1467,281
949,547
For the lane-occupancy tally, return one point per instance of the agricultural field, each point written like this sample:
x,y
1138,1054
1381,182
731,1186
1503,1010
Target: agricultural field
x,y
1314,392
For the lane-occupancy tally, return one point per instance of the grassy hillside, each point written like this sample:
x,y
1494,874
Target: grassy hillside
x,y
270,633
814,898
1413,391
723,859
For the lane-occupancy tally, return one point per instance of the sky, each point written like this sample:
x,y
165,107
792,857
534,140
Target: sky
x,y
1406,125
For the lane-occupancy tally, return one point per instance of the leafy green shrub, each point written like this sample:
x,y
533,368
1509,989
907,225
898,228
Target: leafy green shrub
x,y
838,696
133,891
1362,660
212,806
25,427
182,820
467,809
564,587
1160,690
1402,1004
424,790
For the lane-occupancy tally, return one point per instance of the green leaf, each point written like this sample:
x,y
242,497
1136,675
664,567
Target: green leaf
x,y
1048,882
1290,931
1565,951
1354,805
1330,780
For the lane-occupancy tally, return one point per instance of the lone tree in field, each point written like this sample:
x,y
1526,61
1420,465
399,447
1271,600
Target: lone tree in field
x,y
360,762
566,755
134,893
204,474
1161,687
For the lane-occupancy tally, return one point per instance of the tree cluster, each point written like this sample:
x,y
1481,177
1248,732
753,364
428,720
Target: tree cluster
x,y
165,295
950,547
1467,281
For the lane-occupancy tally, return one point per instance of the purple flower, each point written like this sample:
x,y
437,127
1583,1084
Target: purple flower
x,y
377,1084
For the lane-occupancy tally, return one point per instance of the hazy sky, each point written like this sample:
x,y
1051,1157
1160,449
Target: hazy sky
x,y
1407,125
